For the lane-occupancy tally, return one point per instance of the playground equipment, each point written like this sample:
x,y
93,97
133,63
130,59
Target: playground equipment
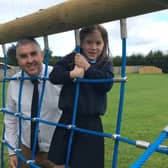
x,y
73,14
64,17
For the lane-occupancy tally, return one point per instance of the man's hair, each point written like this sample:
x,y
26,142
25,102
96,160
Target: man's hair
x,y
25,41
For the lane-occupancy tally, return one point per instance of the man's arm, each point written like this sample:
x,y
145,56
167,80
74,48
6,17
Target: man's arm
x,y
13,161
11,126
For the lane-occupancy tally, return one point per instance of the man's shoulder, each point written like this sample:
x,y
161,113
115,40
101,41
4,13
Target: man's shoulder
x,y
49,69
14,82
18,74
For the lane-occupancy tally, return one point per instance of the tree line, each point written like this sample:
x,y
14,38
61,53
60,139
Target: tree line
x,y
156,58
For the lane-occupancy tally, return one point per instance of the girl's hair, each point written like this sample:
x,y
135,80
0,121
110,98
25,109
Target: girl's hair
x,y
105,55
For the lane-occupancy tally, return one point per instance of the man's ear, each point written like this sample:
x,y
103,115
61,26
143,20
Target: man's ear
x,y
17,57
42,54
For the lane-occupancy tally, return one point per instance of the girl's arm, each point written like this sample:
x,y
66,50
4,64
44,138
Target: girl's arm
x,y
65,71
105,72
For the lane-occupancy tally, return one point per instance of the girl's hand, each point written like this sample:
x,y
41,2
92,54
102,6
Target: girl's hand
x,y
81,62
77,72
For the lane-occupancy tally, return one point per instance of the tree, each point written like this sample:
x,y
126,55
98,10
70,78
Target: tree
x,y
11,55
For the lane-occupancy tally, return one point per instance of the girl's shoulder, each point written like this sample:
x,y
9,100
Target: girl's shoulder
x,y
67,60
68,57
105,62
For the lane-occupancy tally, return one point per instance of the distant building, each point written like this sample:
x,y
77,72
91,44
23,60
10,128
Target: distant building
x,y
11,70
2,65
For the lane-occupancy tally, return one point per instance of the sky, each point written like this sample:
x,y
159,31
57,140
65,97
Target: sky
x,y
145,32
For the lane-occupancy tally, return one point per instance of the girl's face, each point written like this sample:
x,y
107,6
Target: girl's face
x,y
92,45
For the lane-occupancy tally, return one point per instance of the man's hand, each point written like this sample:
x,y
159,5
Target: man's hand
x,y
13,161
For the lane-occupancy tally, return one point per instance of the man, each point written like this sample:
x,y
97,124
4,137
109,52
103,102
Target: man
x,y
30,58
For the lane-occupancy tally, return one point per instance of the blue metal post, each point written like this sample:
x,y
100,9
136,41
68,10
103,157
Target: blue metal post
x,y
3,105
77,40
141,160
19,111
122,90
40,104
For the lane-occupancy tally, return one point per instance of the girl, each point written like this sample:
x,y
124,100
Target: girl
x,y
92,63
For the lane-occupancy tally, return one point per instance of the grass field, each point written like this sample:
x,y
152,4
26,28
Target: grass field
x,y
145,114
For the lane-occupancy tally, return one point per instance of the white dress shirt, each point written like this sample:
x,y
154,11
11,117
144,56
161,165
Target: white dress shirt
x,y
49,112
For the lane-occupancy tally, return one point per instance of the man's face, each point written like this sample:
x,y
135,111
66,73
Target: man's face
x,y
30,58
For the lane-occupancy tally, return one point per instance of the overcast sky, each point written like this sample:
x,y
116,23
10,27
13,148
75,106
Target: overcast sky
x,y
145,32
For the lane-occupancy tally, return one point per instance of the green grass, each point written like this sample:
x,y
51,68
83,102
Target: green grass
x,y
1,127
144,117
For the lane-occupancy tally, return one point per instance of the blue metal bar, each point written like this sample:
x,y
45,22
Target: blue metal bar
x,y
126,140
25,78
19,111
121,102
17,151
2,149
95,80
4,82
92,132
73,128
107,135
102,80
40,105
3,105
77,41
73,123
114,80
141,160
77,49
120,138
